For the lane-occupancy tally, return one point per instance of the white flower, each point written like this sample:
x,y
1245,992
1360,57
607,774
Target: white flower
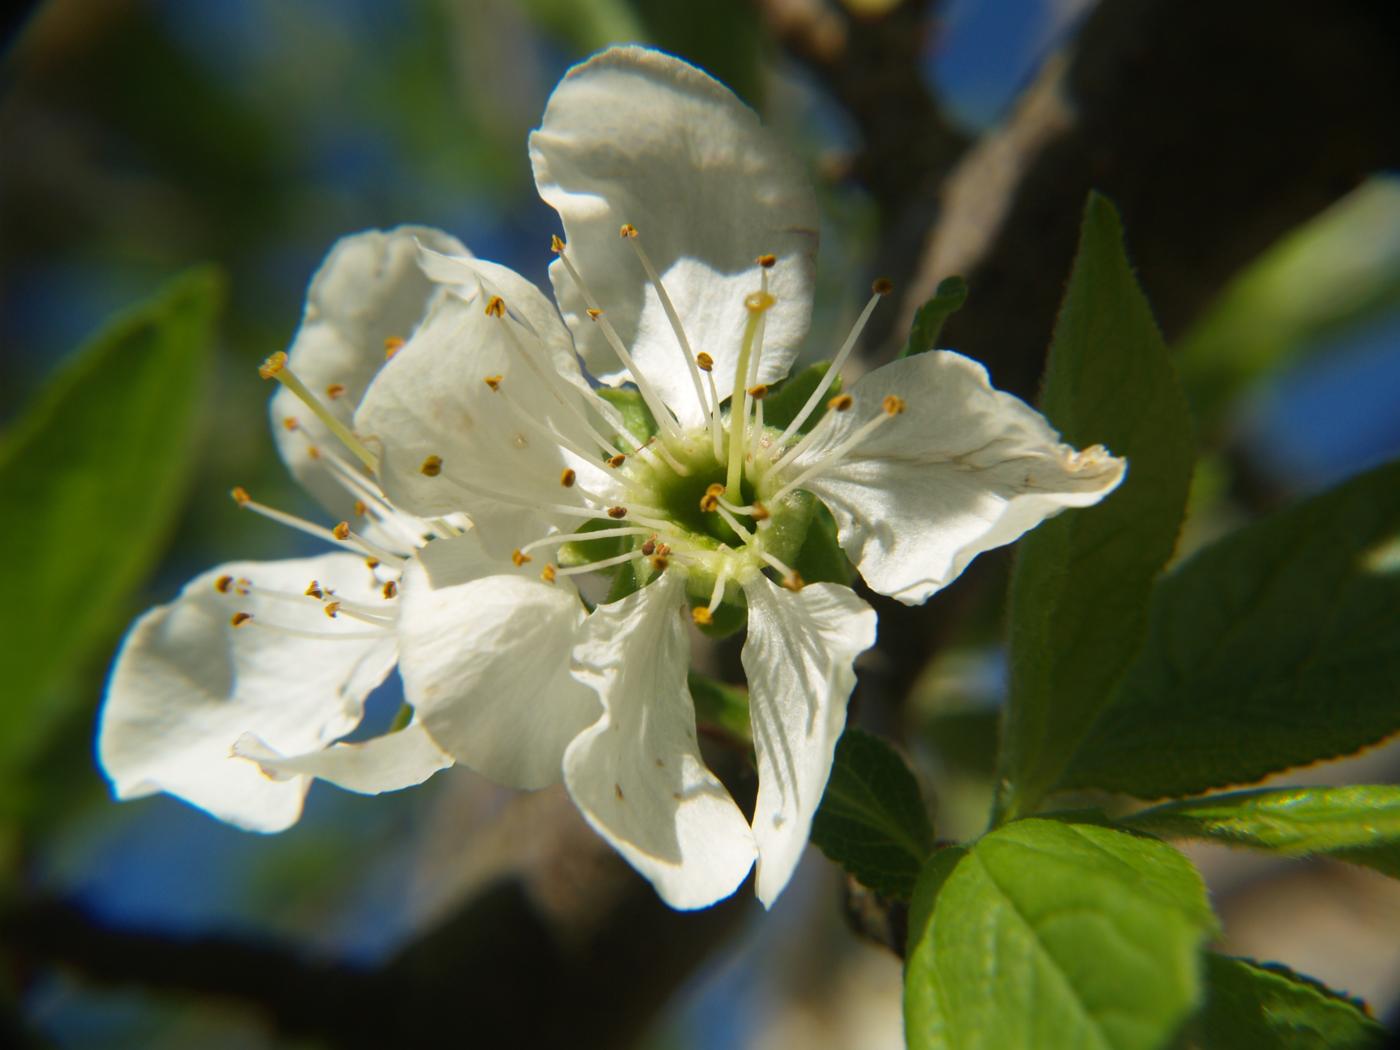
x,y
233,696
686,269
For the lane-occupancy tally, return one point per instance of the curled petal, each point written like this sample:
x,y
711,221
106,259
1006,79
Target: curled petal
x,y
402,759
637,774
799,658
963,468
485,662
638,137
369,289
188,683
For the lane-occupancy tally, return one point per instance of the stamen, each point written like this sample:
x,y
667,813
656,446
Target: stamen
x,y
658,407
392,345
335,390
767,261
223,583
474,489
495,306
238,619
733,522
892,406
792,579
879,290
533,422
757,305
355,541
432,466
319,636
617,512
275,367
606,563
715,431
702,616
519,557
570,537
717,595
389,590
567,477
241,497
629,234
548,573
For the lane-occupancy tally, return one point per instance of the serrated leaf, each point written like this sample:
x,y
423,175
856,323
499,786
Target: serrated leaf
x,y
1081,582
1360,824
1274,647
787,398
1053,935
872,820
99,467
636,416
948,299
1272,1008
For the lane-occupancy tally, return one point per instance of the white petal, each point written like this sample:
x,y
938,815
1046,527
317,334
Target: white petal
x,y
798,659
432,399
187,684
485,662
390,762
636,136
637,774
964,469
369,288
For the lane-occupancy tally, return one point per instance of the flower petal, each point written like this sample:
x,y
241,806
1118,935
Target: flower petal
x,y
187,684
636,774
636,136
485,662
397,760
497,452
369,289
798,658
965,468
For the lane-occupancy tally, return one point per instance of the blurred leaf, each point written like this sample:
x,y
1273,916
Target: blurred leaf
x,y
1272,1008
1081,583
966,739
872,820
1360,824
99,467
947,300
786,399
1274,647
1335,271
588,25
1048,934
636,416
723,37
721,705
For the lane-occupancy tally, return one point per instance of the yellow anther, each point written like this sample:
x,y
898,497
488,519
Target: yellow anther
x,y
767,261
331,609
593,313
432,467
841,403
241,585
291,423
392,345
313,590
556,244
627,231
759,511
617,461
335,390
223,583
519,557
273,365
893,404
313,452
617,512
341,531
759,392
494,382
240,618
372,563
663,550
390,589
794,582
882,286
240,495
360,508
495,306
757,302
715,489
660,563
701,616
548,573
709,503
567,477
704,361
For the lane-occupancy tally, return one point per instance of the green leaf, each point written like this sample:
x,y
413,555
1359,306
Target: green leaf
x,y
1048,934
1081,582
1272,1008
721,705
636,416
872,819
99,465
1360,824
947,300
786,399
1274,647
821,559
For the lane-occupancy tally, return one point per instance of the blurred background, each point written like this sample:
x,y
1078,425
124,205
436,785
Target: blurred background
x,y
1250,149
